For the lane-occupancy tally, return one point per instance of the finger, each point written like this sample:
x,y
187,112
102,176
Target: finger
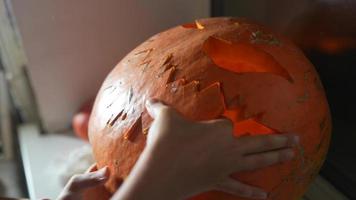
x,y
260,160
157,109
262,143
154,107
85,181
92,168
222,125
240,189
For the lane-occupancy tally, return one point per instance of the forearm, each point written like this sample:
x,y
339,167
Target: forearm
x,y
153,183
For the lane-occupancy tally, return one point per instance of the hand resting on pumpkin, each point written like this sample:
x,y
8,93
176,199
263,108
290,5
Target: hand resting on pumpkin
x,y
82,186
183,158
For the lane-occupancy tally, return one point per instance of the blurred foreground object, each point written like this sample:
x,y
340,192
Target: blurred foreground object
x,y
80,120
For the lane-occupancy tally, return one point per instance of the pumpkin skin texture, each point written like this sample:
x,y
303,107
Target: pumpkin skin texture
x,y
212,68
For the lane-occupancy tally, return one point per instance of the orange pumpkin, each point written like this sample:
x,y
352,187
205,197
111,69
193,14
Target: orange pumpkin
x,y
208,69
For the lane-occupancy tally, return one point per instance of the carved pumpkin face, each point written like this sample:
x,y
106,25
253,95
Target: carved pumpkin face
x,y
208,69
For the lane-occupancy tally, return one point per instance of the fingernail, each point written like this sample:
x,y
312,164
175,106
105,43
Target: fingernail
x,y
102,172
102,178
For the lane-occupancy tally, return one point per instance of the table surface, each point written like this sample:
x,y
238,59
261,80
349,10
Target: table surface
x,y
39,156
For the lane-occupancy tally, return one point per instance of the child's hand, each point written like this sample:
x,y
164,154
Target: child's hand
x,y
183,158
80,185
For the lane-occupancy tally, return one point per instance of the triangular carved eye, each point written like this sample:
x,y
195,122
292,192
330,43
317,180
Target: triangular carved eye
x,y
242,58
251,126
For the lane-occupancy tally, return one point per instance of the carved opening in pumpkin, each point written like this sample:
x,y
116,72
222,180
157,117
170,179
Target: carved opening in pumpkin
x,y
195,25
242,58
212,97
246,125
251,127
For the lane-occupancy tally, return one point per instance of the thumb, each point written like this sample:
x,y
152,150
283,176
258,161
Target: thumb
x,y
154,107
85,181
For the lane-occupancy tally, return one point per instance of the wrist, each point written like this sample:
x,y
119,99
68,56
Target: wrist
x,y
160,174
151,178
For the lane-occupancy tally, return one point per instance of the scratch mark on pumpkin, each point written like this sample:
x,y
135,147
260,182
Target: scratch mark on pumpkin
x,y
168,76
124,116
147,51
130,94
145,64
108,87
144,51
168,59
307,75
322,126
259,37
318,84
112,88
133,131
165,66
305,97
107,122
116,118
169,66
108,106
